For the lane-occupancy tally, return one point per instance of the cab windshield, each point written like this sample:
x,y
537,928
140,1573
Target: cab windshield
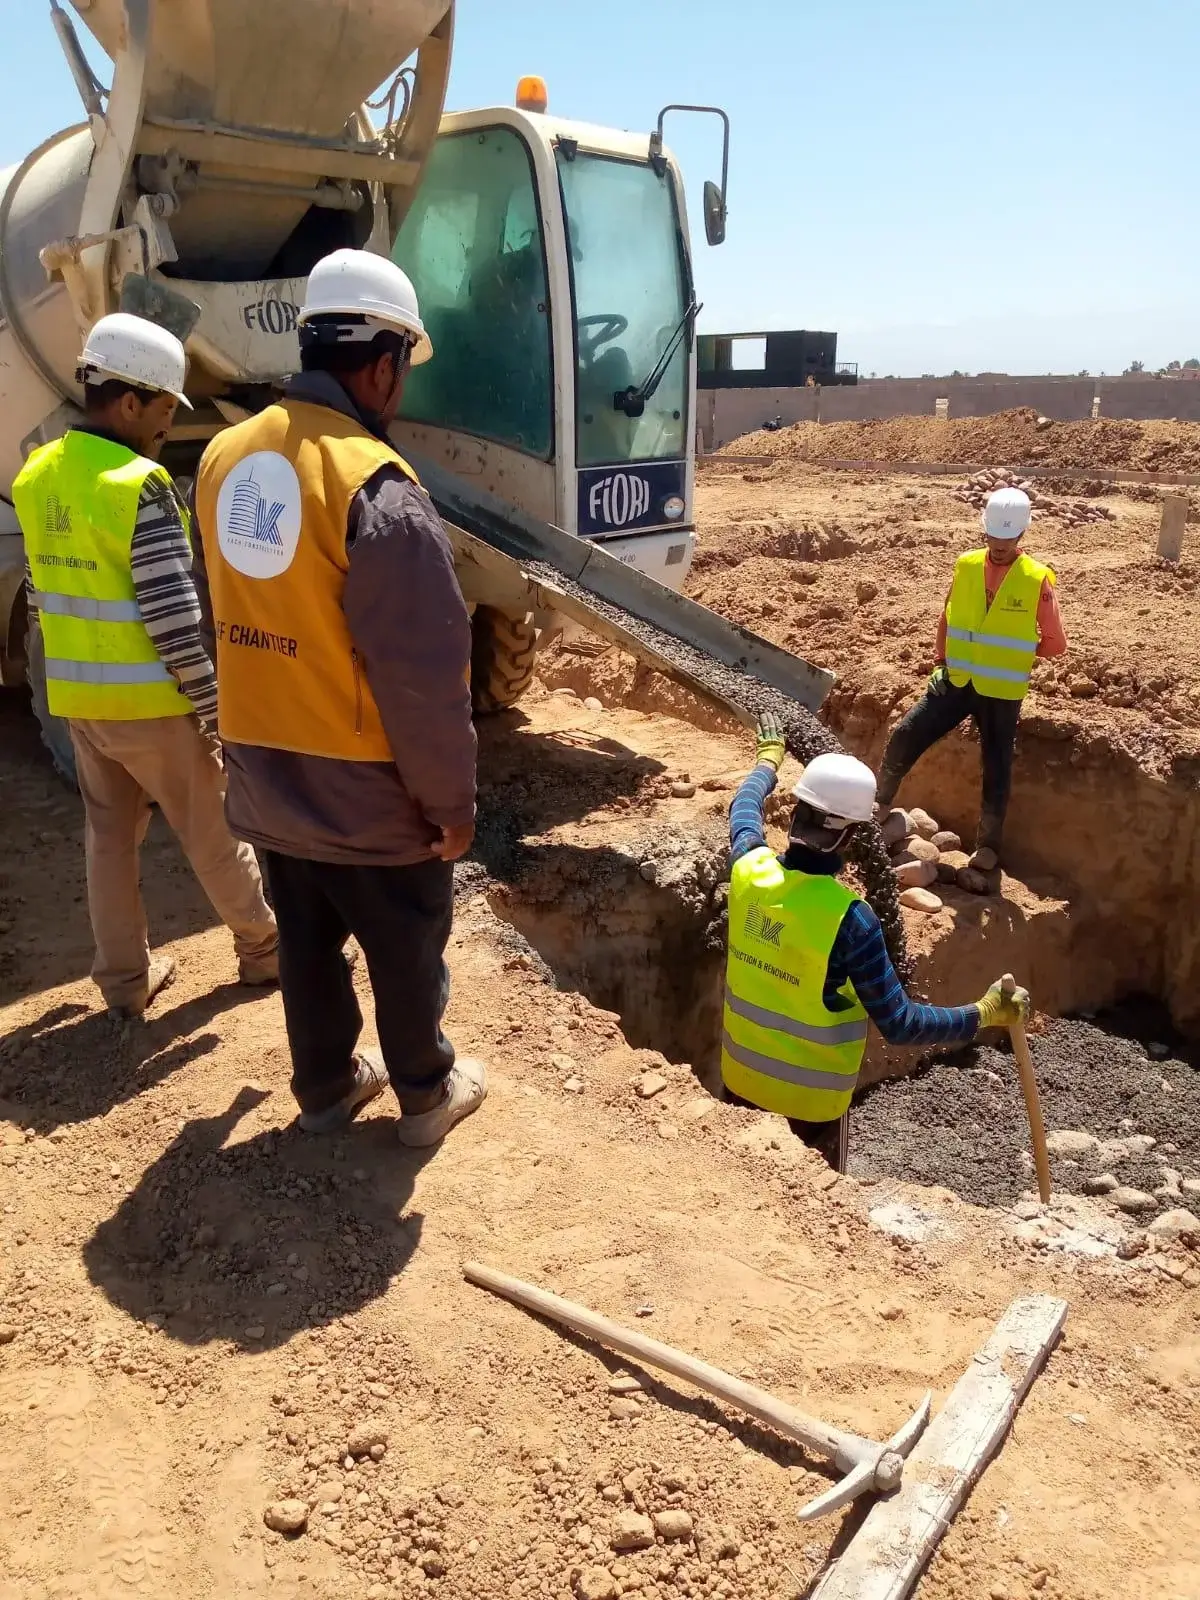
x,y
631,294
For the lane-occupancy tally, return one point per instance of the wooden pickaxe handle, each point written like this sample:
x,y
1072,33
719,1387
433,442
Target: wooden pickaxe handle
x,y
1033,1103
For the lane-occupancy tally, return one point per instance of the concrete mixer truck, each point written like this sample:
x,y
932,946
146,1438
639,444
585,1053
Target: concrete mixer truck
x,y
235,146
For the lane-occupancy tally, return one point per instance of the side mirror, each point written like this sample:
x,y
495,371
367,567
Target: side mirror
x,y
714,213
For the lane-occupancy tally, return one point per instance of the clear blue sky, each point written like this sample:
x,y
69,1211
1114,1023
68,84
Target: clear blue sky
x,y
948,183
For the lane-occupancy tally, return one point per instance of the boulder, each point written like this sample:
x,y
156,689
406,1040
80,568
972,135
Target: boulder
x,y
1070,1142
633,1532
944,840
895,828
922,849
1133,1201
921,900
916,874
972,881
923,823
1177,1224
950,864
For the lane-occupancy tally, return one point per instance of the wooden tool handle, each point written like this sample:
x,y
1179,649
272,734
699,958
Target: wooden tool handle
x,y
1033,1103
845,1449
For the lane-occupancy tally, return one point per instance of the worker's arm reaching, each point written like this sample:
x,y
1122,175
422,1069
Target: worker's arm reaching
x,y
859,954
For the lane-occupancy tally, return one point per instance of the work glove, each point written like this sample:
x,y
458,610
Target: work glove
x,y
1000,1010
939,679
771,746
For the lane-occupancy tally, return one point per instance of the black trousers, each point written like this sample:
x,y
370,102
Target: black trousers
x,y
401,917
931,719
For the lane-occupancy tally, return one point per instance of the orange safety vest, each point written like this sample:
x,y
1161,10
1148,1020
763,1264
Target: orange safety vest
x,y
273,496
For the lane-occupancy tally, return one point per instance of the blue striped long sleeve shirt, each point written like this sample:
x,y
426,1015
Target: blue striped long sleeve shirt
x,y
859,954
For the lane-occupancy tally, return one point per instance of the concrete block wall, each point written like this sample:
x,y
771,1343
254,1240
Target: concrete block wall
x,y
727,414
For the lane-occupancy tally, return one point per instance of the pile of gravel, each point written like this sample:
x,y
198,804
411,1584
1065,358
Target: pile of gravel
x,y
962,1124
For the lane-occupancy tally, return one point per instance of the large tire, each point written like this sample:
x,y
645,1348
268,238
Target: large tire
x,y
503,650
56,736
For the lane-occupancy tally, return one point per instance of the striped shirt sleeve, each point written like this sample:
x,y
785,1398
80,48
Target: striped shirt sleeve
x,y
860,955
161,561
747,829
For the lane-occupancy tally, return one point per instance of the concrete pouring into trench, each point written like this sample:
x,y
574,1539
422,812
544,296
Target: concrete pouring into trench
x,y
605,850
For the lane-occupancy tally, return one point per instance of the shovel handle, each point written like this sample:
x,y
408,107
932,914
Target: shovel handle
x,y
1033,1103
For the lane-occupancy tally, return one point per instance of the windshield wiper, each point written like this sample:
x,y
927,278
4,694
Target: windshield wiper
x,y
632,401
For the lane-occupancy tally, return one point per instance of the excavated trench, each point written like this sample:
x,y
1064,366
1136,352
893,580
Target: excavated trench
x,y
1108,938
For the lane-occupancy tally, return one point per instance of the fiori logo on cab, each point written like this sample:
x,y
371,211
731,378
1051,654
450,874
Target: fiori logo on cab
x,y
619,499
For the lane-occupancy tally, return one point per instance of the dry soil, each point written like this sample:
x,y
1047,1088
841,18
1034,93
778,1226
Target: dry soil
x,y
205,1314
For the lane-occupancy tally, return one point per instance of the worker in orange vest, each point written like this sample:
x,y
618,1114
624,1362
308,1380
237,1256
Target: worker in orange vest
x,y
343,650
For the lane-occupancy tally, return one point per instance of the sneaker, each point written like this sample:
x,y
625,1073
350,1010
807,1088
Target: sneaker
x,y
160,977
370,1081
466,1090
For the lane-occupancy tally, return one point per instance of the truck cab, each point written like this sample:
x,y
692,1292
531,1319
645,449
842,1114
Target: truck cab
x,y
554,271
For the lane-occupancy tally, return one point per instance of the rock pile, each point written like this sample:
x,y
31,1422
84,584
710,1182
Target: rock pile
x,y
924,854
1074,513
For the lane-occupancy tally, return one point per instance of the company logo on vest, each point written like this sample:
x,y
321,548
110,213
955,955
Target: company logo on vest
x,y
58,516
763,928
258,515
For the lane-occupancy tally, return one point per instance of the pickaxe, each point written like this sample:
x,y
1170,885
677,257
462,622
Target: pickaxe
x,y
868,1467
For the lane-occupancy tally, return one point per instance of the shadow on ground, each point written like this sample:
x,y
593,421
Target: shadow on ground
x,y
72,1064
254,1240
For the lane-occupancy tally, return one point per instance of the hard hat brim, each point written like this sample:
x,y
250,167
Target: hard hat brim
x,y
140,383
422,350
801,791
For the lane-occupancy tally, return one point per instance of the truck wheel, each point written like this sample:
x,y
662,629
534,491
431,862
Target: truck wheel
x,y
503,650
55,733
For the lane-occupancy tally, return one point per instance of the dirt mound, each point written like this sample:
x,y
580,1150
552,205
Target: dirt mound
x,y
1007,438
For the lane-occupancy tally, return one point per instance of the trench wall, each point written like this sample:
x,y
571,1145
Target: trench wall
x,y
1085,815
727,414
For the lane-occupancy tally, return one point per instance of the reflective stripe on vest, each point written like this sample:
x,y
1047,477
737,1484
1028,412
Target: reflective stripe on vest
x,y
994,647
88,610
833,1033
77,500
106,671
783,1048
784,1071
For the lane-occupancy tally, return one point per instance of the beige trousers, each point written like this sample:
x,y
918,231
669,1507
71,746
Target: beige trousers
x,y
122,767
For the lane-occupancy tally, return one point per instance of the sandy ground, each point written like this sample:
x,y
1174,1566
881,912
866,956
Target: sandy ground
x,y
850,569
200,1308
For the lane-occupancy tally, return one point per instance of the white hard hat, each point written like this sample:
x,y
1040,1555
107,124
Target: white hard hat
x,y
129,347
1007,514
840,787
359,283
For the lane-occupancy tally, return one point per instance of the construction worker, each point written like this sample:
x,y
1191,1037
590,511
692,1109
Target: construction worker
x,y
807,961
109,583
1001,614
343,650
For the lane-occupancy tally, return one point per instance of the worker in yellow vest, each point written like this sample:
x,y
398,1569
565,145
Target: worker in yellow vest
x,y
808,966
110,590
1001,615
343,650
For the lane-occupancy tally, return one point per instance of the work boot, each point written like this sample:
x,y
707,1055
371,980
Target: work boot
x,y
466,1090
370,1081
262,973
160,977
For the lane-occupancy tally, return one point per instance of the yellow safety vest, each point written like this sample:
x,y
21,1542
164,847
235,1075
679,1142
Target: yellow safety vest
x,y
994,647
273,497
77,500
783,1049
